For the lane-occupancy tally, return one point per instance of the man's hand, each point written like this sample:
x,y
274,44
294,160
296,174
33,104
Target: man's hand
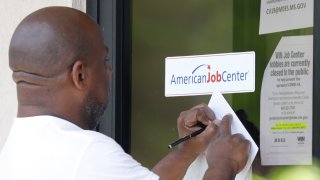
x,y
193,119
176,163
227,154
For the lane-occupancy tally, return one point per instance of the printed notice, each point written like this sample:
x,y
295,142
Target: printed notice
x,y
283,15
286,104
199,75
221,107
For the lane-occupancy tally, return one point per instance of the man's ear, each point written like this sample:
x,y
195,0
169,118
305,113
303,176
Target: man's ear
x,y
78,75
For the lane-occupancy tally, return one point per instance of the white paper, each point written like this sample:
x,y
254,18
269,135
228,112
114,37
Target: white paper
x,y
283,15
221,107
198,75
286,103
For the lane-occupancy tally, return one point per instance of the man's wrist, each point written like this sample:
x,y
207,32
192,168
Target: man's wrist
x,y
224,168
186,148
219,174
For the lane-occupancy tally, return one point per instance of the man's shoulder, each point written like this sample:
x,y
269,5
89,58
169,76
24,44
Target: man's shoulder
x,y
97,137
54,130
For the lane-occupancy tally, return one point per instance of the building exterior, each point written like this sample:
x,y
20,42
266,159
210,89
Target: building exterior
x,y
140,35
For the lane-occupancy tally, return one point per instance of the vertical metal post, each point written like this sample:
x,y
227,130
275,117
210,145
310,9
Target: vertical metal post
x,y
316,81
114,18
123,66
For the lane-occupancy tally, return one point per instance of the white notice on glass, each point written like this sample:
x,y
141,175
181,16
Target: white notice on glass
x,y
283,15
286,104
221,107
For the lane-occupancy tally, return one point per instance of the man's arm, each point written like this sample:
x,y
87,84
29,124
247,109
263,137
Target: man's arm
x,y
226,154
176,163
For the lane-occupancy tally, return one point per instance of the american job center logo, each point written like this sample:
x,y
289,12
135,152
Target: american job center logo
x,y
205,73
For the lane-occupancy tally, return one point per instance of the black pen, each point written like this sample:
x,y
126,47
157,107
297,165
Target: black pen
x,y
185,138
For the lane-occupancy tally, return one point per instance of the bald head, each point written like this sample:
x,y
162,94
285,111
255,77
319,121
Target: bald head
x,y
57,56
47,42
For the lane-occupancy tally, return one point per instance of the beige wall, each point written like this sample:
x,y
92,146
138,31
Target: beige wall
x,y
11,13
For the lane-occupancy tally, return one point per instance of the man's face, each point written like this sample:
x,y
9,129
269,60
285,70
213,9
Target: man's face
x,y
99,86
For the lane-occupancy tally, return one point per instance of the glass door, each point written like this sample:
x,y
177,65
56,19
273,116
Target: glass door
x,y
173,28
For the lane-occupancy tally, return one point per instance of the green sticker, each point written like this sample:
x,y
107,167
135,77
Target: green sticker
x,y
289,125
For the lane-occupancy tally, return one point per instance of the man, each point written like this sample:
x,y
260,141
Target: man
x,y
60,66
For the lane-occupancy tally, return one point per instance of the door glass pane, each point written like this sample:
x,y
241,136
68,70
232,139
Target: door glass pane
x,y
169,28
175,28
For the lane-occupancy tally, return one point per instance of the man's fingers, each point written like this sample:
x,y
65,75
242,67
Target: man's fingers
x,y
225,125
247,144
204,114
199,114
210,130
243,150
238,137
209,115
199,106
